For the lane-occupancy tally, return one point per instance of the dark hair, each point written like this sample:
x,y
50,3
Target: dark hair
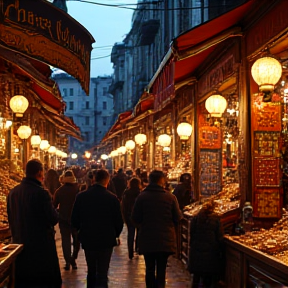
x,y
33,166
120,170
186,177
102,175
134,183
155,176
92,173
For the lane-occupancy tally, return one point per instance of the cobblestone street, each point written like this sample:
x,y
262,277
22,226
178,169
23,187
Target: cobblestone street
x,y
123,272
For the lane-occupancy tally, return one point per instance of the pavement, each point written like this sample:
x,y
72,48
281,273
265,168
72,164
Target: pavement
x,y
123,272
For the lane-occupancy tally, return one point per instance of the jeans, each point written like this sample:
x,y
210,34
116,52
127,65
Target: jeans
x,y
66,233
156,261
131,240
98,265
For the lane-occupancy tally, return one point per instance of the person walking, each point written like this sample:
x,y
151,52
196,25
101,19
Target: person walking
x,y
127,204
183,191
64,199
206,237
51,181
156,212
97,217
32,217
120,183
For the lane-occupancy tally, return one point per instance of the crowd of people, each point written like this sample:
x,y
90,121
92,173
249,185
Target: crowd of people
x,y
91,207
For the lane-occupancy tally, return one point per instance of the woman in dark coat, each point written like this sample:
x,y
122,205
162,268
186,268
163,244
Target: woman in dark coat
x,y
128,200
206,237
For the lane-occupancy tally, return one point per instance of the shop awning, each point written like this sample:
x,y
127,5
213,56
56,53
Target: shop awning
x,y
192,47
117,126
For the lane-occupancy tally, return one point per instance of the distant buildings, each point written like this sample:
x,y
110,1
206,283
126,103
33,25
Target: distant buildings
x,y
92,114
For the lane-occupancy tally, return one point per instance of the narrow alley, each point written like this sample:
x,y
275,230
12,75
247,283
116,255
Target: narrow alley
x,y
123,273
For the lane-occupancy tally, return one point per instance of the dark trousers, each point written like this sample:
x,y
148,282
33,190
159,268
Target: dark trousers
x,y
66,233
208,279
155,262
131,239
98,266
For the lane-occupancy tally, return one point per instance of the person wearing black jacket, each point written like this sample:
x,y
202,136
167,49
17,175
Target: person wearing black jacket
x,y
32,218
127,204
97,217
206,237
183,191
156,212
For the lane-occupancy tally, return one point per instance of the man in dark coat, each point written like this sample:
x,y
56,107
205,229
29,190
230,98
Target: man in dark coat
x,y
183,190
206,237
64,199
97,216
31,218
157,213
120,183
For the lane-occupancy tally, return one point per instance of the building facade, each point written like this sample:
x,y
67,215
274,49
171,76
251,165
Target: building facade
x,y
92,113
154,25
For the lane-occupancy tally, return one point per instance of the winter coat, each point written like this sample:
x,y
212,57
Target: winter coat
x,y
156,212
127,204
120,184
64,198
97,217
205,243
183,194
31,218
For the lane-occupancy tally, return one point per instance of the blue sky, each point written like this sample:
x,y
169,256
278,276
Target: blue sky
x,y
107,25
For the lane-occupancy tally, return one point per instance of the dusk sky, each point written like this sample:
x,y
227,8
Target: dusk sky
x,y
107,25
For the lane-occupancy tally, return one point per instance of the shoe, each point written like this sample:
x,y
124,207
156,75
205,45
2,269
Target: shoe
x,y
67,267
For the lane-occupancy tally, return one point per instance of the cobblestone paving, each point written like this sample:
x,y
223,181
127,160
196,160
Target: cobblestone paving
x,y
123,273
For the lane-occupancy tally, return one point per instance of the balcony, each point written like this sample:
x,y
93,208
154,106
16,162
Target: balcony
x,y
148,31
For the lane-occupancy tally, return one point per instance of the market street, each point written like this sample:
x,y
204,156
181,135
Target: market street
x,y
123,272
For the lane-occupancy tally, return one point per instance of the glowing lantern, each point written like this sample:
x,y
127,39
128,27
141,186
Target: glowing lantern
x,y
18,105
266,72
52,150
140,139
114,153
121,150
74,156
24,132
87,154
44,145
104,157
35,140
130,145
184,130
164,140
216,105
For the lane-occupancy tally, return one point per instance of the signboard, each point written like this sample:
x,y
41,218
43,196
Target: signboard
x,y
41,31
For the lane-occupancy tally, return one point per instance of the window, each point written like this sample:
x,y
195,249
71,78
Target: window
x,y
105,90
64,92
104,105
71,105
104,121
87,120
87,104
71,92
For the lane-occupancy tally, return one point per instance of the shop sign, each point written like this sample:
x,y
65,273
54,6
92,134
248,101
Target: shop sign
x,y
41,31
269,26
222,71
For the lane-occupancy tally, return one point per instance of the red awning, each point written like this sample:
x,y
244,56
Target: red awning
x,y
194,46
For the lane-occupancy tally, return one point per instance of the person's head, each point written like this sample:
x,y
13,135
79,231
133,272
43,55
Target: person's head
x,y
120,170
208,207
102,177
134,183
157,177
185,178
34,169
68,177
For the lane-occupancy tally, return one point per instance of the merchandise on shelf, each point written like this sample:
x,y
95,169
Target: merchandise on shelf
x,y
225,201
273,241
6,184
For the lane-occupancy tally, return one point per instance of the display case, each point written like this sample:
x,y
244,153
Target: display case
x,y
8,254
